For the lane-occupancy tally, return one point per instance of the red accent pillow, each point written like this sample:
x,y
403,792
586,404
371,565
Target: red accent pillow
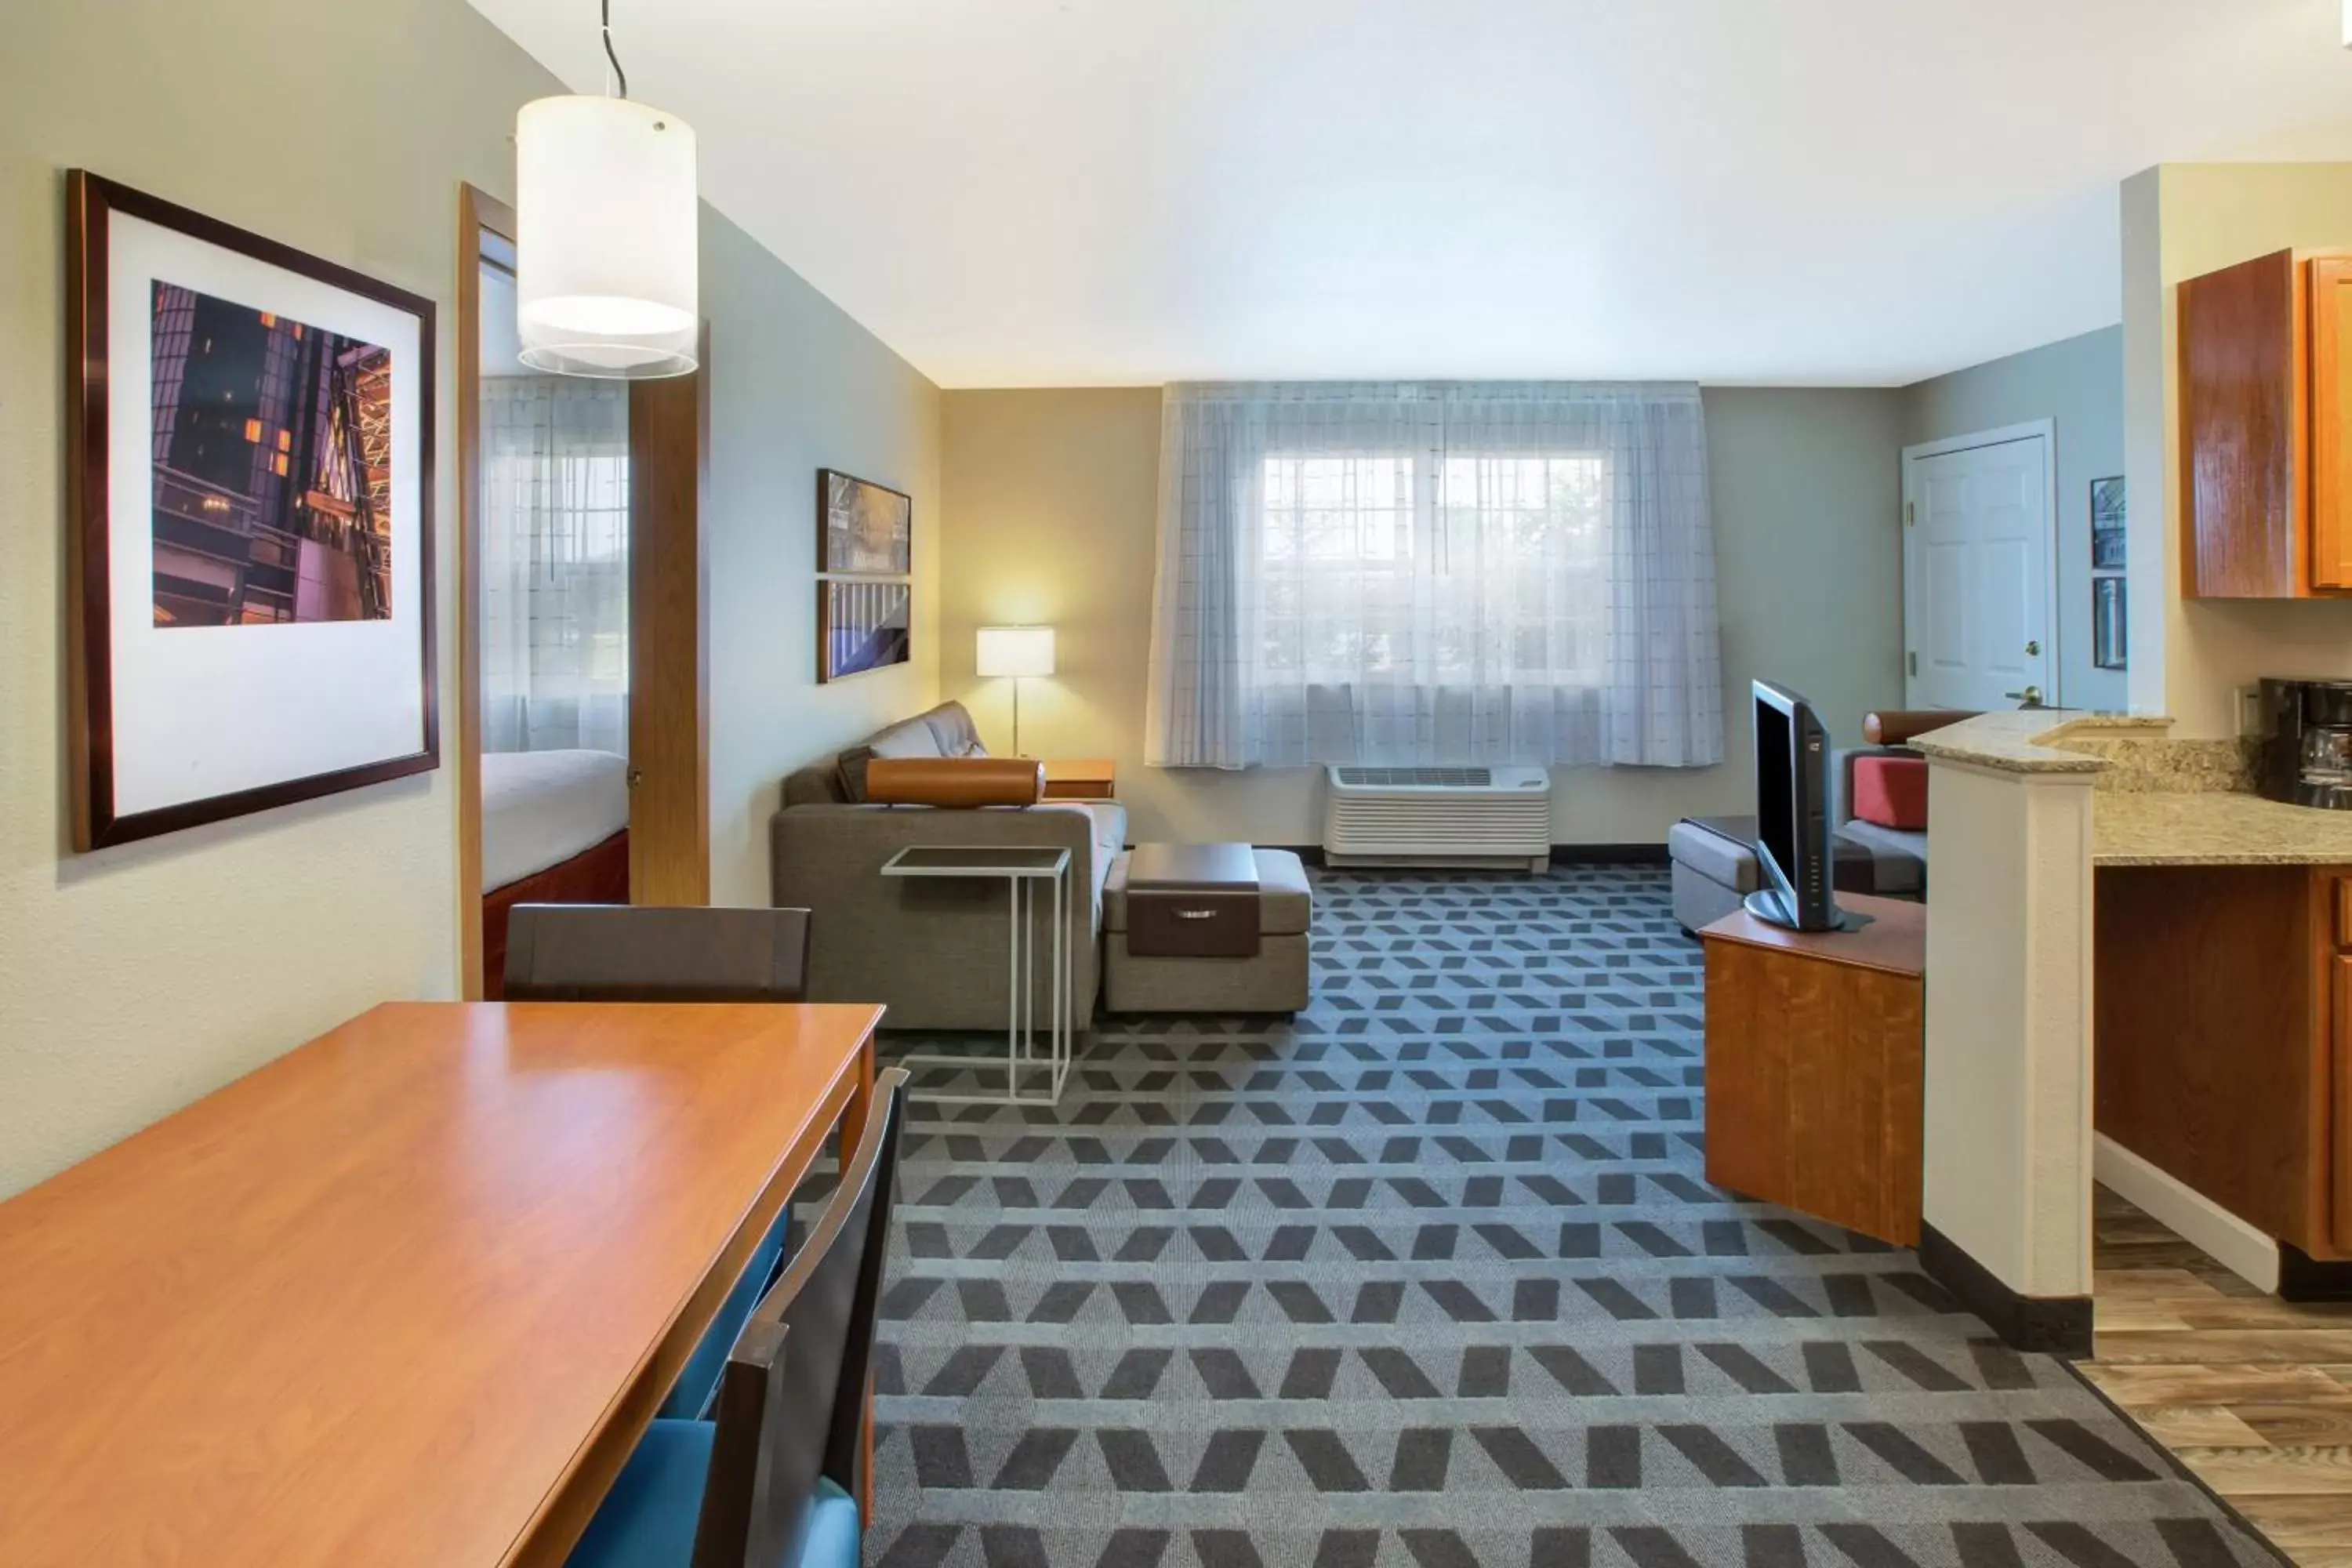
x,y
1892,792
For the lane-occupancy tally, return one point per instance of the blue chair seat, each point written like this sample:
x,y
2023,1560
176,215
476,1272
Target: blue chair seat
x,y
690,1396
647,1519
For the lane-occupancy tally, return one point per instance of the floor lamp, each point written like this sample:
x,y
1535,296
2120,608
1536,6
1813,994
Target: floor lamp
x,y
1015,653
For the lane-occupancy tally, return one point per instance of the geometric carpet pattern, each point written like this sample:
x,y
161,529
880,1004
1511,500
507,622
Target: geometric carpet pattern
x,y
1429,1276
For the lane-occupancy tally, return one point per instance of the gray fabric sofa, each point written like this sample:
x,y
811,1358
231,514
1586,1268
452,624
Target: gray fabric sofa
x,y
933,952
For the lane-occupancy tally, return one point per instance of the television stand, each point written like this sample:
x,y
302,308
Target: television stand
x,y
1814,1046
1772,906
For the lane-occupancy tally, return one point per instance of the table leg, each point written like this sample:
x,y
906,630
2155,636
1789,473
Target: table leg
x,y
1012,988
855,1114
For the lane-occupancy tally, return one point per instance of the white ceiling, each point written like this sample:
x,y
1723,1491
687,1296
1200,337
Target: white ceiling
x,y
1074,192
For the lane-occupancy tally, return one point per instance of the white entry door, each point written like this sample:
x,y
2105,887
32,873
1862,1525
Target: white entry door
x,y
1980,615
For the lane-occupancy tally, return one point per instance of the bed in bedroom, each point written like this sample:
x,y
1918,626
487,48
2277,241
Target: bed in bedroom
x,y
555,830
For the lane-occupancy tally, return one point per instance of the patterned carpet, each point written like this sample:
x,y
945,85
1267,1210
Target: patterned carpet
x,y
1430,1277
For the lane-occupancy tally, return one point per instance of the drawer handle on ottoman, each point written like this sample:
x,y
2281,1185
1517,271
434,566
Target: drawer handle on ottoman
x,y
1196,914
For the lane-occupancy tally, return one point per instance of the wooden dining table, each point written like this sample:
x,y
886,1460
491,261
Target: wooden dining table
x,y
408,1294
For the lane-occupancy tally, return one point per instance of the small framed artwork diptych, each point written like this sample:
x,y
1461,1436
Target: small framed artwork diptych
x,y
250,533
2110,647
862,626
2108,524
863,529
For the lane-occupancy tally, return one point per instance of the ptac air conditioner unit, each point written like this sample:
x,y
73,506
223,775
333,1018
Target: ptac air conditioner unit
x,y
1483,819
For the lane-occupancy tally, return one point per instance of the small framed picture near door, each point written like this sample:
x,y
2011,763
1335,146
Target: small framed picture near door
x,y
250,532
2108,524
2110,647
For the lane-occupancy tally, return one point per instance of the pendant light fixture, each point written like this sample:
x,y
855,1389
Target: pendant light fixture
x,y
606,253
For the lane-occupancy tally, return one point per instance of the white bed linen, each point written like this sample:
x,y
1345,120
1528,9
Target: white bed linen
x,y
540,808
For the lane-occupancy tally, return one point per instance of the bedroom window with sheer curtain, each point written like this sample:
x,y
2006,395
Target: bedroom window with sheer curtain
x,y
555,563
1434,574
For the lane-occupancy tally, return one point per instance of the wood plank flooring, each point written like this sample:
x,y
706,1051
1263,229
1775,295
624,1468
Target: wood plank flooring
x,y
2254,1394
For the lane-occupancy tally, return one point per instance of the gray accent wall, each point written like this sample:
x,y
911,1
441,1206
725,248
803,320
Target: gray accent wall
x,y
2077,384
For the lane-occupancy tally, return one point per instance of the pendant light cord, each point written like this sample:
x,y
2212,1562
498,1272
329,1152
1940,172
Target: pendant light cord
x,y
619,75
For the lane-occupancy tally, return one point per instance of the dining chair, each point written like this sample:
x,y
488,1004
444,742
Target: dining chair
x,y
625,953
773,1480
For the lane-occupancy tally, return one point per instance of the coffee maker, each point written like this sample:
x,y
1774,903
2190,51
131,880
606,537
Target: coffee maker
x,y
2306,755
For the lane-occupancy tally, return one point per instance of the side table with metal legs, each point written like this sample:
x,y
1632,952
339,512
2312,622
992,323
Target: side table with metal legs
x,y
1021,870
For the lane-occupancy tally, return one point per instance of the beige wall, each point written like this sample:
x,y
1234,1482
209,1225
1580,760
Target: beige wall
x,y
136,979
1050,503
2190,656
2078,385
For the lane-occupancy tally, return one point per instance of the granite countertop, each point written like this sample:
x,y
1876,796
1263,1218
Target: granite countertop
x,y
2168,804
2025,740
2215,829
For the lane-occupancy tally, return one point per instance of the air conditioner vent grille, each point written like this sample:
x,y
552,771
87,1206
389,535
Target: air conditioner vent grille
x,y
1417,778
1438,816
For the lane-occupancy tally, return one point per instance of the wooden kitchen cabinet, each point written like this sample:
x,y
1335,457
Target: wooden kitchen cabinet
x,y
2265,400
2222,1037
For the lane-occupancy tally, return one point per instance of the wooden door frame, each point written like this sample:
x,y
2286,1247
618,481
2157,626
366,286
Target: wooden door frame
x,y
2047,429
669,691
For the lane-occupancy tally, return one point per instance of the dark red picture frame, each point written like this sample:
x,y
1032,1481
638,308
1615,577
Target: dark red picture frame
x,y
90,201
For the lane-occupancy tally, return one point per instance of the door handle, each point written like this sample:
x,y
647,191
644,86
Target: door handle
x,y
636,777
2029,698
2034,649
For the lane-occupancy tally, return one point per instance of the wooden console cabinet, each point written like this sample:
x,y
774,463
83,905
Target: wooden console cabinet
x,y
2265,361
2223,1037
1814,1066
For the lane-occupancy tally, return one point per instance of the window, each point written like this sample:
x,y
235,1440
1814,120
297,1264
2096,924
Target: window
x,y
1435,573
1366,568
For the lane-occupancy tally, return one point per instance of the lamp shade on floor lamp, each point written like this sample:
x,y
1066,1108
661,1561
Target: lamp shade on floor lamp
x,y
1014,652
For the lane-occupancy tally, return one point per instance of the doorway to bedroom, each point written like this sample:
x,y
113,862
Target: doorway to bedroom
x,y
583,757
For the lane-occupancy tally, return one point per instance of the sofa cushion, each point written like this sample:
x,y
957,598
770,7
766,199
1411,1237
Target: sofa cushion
x,y
1892,792
1718,854
1897,859
907,738
951,726
1286,900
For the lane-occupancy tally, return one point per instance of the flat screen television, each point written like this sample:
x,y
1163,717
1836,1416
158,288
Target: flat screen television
x,y
1793,815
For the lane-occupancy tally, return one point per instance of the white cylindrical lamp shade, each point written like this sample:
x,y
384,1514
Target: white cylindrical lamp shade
x,y
1014,651
607,256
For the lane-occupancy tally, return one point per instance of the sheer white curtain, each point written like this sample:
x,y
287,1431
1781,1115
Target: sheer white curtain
x,y
1398,573
555,565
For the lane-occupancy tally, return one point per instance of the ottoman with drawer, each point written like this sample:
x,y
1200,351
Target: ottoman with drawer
x,y
1206,928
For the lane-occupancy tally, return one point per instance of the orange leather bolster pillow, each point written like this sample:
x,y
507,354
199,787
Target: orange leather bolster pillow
x,y
958,782
1893,727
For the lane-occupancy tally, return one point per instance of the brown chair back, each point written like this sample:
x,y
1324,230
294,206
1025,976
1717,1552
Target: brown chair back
x,y
791,1402
618,953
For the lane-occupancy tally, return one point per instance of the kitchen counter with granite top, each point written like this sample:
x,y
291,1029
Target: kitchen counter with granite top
x,y
2155,802
2029,740
2215,829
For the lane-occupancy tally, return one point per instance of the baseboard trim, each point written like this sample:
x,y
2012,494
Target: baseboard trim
x,y
2246,1250
2053,1325
1609,855
2303,1277
1561,854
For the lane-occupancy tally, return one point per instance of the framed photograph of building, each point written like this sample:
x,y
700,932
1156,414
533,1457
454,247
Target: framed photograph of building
x,y
250,532
863,529
861,626
2110,647
2108,524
